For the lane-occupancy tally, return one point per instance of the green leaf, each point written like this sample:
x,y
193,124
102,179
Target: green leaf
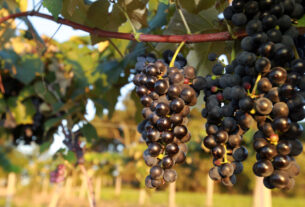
x,y
42,92
136,10
54,6
26,92
198,56
139,107
27,69
111,97
6,164
153,5
2,106
221,5
98,16
70,157
159,19
205,21
112,69
89,132
195,6
8,58
166,2
53,122
44,146
301,22
75,10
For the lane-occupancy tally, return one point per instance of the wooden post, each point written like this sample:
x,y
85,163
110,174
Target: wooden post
x,y
45,185
68,186
209,193
82,190
10,190
98,186
89,186
261,194
55,196
142,196
172,195
118,185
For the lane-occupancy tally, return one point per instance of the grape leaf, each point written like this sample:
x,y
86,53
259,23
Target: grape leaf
x,y
21,111
43,93
44,146
166,2
195,6
26,92
99,16
8,58
112,69
54,6
139,107
89,132
153,5
205,21
6,164
221,5
301,22
2,106
110,17
14,5
52,122
75,10
197,56
70,157
27,69
136,10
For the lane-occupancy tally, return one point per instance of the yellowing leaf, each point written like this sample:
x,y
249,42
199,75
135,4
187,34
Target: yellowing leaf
x,y
22,112
102,46
23,4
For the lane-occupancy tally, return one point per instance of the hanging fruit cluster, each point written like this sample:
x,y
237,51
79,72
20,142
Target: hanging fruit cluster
x,y
166,94
264,83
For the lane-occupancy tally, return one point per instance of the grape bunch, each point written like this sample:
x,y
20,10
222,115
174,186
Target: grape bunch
x,y
227,121
12,86
263,84
25,133
166,94
58,175
37,112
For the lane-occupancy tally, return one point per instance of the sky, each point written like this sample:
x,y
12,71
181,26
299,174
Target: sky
x,y
49,28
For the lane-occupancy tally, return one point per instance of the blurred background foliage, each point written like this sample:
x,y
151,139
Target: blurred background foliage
x,y
46,86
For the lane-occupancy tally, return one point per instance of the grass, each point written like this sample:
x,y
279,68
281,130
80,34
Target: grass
x,y
189,199
129,197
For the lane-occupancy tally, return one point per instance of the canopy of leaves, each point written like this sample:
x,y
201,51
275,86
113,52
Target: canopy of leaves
x,y
46,82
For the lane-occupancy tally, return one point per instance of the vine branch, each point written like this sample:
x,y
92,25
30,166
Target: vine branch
x,y
188,38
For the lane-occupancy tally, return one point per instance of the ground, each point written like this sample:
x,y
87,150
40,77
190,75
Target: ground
x,y
129,198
